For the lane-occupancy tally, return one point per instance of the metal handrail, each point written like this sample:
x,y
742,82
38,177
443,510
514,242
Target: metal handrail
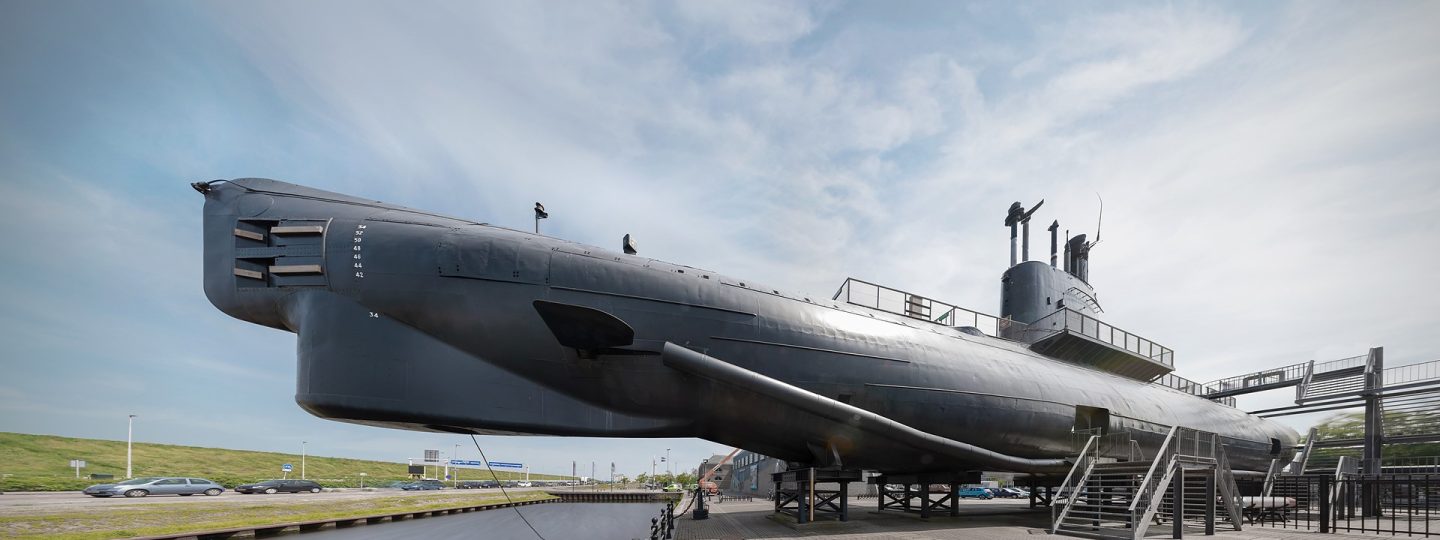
x,y
1259,378
914,306
1270,473
1164,451
1343,363
1085,461
1424,371
1305,383
1229,492
1079,323
1078,462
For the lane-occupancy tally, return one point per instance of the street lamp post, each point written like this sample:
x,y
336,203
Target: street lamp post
x,y
669,465
455,471
302,460
129,440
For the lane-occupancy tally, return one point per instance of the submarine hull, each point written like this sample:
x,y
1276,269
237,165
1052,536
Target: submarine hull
x,y
412,320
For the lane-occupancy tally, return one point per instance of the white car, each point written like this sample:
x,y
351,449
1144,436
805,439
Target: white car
x,y
525,484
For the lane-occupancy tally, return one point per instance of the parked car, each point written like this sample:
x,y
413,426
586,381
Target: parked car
x,y
672,488
1017,493
975,493
277,486
525,484
156,485
423,485
478,484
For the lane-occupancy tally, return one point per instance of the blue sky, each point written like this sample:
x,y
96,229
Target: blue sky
x,y
1271,172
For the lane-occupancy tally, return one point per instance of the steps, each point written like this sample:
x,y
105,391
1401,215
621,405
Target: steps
x,y
1100,507
1194,502
1122,499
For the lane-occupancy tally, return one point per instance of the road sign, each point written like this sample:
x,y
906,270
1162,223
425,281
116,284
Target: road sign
x,y
286,468
472,463
432,456
507,465
77,463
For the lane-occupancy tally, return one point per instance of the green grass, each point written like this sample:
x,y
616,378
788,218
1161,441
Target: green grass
x,y
181,518
39,463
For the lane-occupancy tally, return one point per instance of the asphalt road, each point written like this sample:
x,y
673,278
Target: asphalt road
x,y
554,521
32,503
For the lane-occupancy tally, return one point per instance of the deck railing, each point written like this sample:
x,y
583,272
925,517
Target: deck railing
x,y
898,302
1066,319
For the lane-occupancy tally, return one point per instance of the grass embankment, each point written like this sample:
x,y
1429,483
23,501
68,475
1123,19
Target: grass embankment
x,y
38,463
179,518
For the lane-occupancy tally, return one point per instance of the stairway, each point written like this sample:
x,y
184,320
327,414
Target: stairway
x,y
1100,507
1121,499
1194,502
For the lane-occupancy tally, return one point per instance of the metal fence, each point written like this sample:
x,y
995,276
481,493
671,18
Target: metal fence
x,y
1171,380
1075,322
1393,504
663,526
1293,372
1426,371
914,306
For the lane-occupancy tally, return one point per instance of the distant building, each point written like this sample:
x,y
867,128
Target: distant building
x,y
721,476
750,475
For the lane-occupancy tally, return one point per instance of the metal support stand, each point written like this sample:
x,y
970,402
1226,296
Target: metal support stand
x,y
924,496
796,494
1177,504
916,495
1210,502
1374,428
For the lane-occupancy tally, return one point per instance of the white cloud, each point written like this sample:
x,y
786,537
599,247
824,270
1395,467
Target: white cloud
x,y
754,22
1269,179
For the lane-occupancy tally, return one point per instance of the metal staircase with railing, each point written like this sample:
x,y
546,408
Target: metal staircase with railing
x,y
1108,497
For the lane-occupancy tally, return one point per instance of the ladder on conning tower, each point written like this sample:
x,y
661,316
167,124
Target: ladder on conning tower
x,y
1188,484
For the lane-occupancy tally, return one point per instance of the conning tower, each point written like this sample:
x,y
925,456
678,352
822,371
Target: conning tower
x,y
1030,290
1054,308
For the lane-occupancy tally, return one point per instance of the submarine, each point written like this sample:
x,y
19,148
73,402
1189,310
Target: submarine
x,y
413,320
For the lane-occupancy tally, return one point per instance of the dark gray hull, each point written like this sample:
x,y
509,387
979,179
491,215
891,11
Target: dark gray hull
x,y
436,329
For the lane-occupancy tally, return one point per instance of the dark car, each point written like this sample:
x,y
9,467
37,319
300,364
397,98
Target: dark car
x,y
1001,493
478,484
423,485
278,486
156,485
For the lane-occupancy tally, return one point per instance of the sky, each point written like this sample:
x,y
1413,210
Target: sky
x,y
1270,173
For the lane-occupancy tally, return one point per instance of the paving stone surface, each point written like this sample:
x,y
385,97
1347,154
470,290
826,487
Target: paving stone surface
x,y
1001,519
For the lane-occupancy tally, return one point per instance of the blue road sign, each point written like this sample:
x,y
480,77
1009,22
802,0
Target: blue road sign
x,y
471,463
507,465
286,468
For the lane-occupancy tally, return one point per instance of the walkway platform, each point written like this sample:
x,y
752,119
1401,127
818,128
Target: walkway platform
x,y
1000,518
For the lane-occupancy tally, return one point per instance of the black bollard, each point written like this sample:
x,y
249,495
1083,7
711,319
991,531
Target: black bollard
x,y
700,511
